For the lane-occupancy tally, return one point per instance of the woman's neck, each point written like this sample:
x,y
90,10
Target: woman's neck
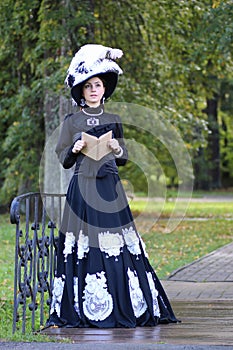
x,y
95,111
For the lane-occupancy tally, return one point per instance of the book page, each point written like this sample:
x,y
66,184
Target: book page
x,y
96,148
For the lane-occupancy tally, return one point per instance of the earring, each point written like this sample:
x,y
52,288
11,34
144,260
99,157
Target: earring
x,y
82,102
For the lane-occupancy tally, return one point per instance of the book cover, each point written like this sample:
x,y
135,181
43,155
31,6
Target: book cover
x,y
96,148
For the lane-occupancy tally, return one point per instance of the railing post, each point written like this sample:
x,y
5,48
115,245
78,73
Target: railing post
x,y
15,220
35,255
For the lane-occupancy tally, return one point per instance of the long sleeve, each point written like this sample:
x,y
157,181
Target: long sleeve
x,y
120,136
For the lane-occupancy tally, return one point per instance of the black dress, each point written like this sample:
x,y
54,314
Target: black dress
x,y
103,277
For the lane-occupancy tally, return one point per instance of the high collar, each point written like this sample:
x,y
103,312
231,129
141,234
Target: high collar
x,y
93,110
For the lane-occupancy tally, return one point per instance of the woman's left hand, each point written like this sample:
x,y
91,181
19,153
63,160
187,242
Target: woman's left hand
x,y
114,145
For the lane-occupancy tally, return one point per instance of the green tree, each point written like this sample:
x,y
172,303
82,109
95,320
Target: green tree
x,y
21,101
36,37
214,55
177,59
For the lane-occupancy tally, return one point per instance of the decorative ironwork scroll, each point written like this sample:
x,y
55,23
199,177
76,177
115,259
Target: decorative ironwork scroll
x,y
37,218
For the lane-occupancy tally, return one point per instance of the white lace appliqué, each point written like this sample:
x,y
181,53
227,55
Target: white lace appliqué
x,y
83,245
57,293
131,240
98,303
111,243
143,247
69,244
137,299
76,303
154,293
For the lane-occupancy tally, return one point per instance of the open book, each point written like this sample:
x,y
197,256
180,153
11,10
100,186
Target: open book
x,y
96,148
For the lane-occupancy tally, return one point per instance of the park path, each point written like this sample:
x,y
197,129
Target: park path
x,y
201,294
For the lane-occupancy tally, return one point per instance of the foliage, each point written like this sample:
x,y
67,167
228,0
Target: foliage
x,y
176,54
32,35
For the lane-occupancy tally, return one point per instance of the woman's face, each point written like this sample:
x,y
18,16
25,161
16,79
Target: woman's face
x,y
93,91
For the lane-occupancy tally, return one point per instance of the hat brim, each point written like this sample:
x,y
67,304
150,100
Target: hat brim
x,y
110,78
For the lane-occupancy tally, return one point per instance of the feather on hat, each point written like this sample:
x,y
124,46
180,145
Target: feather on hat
x,y
92,60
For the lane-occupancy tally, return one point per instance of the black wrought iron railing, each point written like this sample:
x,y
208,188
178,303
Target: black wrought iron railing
x,y
36,217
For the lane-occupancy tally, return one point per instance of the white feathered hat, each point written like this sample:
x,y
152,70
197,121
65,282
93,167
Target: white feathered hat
x,y
92,60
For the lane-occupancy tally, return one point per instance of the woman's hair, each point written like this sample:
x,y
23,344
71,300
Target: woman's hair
x,y
102,79
95,76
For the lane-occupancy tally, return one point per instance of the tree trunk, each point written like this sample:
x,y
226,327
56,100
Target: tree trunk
x,y
201,171
213,148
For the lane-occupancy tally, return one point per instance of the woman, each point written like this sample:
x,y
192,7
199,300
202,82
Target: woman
x,y
103,276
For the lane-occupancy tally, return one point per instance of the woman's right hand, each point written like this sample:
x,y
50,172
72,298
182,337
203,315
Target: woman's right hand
x,y
78,146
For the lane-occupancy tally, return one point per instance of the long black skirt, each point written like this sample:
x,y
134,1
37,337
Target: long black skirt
x,y
103,277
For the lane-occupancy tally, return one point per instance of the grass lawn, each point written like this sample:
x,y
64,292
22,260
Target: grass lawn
x,y
189,241
200,209
199,228
167,251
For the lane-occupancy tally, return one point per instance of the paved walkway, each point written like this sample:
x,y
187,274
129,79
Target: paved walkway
x,y
208,278
94,346
201,294
214,267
